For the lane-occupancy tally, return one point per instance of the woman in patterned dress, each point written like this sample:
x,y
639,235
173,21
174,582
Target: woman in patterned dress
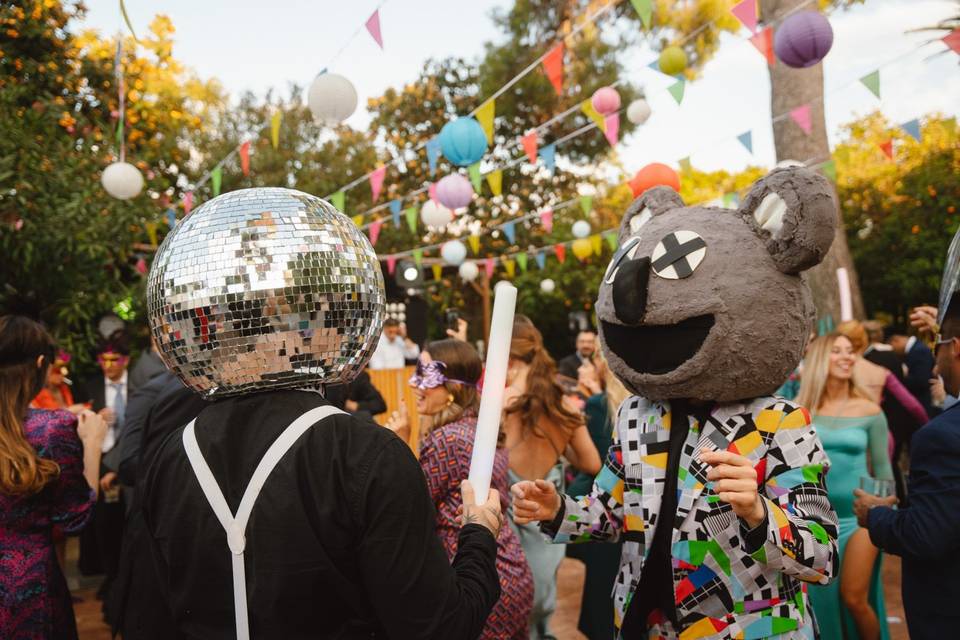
x,y
446,384
49,468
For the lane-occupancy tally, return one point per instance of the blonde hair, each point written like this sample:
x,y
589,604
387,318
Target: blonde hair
x,y
856,333
816,371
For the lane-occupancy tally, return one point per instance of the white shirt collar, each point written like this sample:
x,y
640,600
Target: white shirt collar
x,y
912,340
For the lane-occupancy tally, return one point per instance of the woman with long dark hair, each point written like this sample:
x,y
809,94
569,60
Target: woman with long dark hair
x,y
540,427
49,468
448,398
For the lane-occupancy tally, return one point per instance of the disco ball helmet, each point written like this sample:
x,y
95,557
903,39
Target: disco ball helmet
x,y
263,289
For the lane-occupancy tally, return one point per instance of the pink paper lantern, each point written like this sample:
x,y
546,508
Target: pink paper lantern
x,y
454,191
606,100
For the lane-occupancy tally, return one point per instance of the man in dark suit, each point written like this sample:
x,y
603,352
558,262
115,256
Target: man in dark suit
x,y
918,359
927,533
586,346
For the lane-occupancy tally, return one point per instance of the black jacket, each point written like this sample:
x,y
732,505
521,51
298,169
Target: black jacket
x,y
919,360
569,366
341,542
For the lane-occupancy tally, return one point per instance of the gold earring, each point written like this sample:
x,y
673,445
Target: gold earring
x,y
449,399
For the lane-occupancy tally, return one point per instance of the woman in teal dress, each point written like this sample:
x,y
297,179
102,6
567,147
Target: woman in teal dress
x,y
853,431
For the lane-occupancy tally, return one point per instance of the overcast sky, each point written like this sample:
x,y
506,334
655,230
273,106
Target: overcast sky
x,y
255,45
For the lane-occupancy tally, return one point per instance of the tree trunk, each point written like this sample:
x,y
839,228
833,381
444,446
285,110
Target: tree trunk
x,y
791,88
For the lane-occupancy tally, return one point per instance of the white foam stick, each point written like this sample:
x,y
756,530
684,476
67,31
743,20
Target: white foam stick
x,y
494,385
846,306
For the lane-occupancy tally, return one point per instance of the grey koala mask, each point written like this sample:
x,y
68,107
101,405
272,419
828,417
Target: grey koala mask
x,y
707,303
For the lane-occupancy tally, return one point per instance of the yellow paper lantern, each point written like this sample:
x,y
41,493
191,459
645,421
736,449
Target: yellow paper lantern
x,y
673,60
582,248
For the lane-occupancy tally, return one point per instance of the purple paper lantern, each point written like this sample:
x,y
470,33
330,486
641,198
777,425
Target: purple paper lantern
x,y
803,39
454,191
606,100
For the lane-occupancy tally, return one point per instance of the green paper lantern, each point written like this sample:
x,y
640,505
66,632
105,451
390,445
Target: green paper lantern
x,y
673,60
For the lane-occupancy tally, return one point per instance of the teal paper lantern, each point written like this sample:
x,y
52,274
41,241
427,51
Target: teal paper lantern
x,y
463,141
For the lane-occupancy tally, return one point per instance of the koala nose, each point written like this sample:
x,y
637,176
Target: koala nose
x,y
630,291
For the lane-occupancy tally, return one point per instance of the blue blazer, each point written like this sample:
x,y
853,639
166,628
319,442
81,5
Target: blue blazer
x,y
927,533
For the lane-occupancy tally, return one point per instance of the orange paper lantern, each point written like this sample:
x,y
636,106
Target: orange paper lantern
x,y
655,174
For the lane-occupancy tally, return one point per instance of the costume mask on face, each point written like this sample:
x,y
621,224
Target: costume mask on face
x,y
709,303
431,375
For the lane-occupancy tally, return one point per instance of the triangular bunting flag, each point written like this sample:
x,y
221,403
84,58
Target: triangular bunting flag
x,y
588,109
586,204
546,219
553,67
887,148
644,9
171,218
374,231
433,152
763,41
872,81
612,128
801,115
746,13
488,267
411,214
510,266
912,127
746,139
522,261
275,128
391,264
188,201
358,220
549,155
485,115
561,252
373,26
474,241
245,158
529,142
596,242
216,179
541,259
611,238
475,178
437,271
676,90
376,181
418,256
510,230
152,233
829,169
495,180
337,200
952,40
395,212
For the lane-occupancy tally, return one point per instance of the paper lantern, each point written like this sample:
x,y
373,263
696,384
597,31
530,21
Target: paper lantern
x,y
547,286
435,214
463,141
606,100
654,174
639,111
803,39
122,180
581,229
582,248
332,98
469,271
673,60
453,252
454,191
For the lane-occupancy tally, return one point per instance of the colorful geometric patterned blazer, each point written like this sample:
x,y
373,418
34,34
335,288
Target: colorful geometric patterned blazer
x,y
729,583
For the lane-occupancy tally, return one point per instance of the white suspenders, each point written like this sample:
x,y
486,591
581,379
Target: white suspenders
x,y
235,526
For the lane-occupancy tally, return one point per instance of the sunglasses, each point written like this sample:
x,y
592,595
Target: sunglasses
x,y
431,375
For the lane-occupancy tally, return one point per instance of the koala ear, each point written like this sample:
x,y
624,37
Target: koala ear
x,y
653,202
793,210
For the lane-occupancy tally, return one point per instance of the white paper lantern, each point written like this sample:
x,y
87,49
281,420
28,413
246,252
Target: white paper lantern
x,y
122,180
332,98
435,214
547,286
453,252
639,111
469,271
581,229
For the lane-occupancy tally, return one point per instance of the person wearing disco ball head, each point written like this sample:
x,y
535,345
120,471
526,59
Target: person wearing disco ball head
x,y
274,514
